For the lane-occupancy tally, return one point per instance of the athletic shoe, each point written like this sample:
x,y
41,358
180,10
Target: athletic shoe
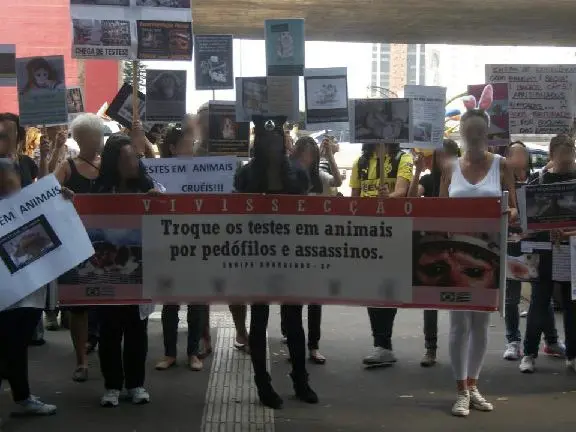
x,y
380,356
478,402
34,407
555,350
110,398
461,407
527,364
512,351
429,358
139,395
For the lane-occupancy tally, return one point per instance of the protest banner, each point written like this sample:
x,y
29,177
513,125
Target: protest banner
x,y
542,98
225,135
285,43
267,96
382,121
74,102
41,91
165,95
326,95
121,107
547,206
302,249
164,40
428,105
214,62
7,65
210,174
499,131
41,237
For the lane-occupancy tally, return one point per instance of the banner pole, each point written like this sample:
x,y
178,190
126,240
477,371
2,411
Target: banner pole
x,y
503,254
135,101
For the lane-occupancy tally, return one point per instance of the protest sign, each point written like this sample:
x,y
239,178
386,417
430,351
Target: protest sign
x,y
542,98
303,249
381,121
210,174
7,65
547,206
102,39
326,95
41,90
164,40
214,62
41,237
165,95
225,135
121,107
74,102
284,47
428,105
267,96
499,131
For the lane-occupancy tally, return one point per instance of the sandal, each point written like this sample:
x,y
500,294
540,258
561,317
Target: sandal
x,y
242,347
316,357
195,363
166,363
80,374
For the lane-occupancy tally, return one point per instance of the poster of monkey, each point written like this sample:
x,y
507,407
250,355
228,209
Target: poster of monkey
x,y
165,95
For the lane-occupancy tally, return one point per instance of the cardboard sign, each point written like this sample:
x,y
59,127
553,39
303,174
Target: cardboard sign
x,y
121,107
226,136
165,95
214,62
428,105
326,93
267,96
7,65
285,47
74,102
381,121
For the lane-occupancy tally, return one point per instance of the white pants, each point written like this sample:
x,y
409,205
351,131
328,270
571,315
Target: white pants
x,y
468,343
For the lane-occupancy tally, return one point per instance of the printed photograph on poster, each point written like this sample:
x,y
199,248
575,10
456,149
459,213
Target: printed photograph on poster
x,y
226,136
164,40
107,39
326,95
520,265
214,62
120,109
428,106
381,121
461,260
285,47
177,4
124,3
28,243
499,131
549,206
74,101
7,65
41,90
165,95
271,96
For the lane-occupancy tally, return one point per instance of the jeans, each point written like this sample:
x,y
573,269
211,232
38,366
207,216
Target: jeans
x,y
537,313
382,323
197,318
512,315
122,367
314,322
431,329
16,330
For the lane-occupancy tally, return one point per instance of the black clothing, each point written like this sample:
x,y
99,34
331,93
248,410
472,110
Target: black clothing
x,y
427,182
28,170
77,183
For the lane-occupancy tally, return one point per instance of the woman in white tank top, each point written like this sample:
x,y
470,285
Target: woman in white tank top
x,y
477,173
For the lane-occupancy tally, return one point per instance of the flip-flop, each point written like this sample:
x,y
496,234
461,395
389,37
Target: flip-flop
x,y
318,359
165,364
242,347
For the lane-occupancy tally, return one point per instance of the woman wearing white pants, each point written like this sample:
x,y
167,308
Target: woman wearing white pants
x,y
478,173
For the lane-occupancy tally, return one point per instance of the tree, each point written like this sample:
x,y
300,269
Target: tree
x,y
127,70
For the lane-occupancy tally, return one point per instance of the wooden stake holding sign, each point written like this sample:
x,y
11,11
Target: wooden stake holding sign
x,y
135,100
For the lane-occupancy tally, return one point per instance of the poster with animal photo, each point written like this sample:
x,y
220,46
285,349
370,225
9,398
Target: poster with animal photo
x,y
165,95
326,93
226,136
495,98
381,121
121,107
285,47
104,39
164,40
267,96
7,65
214,62
75,102
41,91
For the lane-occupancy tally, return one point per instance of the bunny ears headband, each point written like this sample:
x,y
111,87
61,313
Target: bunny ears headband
x,y
485,101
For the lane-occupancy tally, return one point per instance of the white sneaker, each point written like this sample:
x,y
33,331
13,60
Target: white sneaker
x,y
110,398
571,365
527,364
461,407
478,402
380,356
512,351
139,395
34,407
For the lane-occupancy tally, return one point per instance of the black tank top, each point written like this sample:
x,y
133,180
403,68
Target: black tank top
x,y
77,183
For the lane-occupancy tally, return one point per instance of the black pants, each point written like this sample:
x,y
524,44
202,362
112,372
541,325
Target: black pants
x,y
197,318
314,322
122,368
382,324
294,334
16,329
431,329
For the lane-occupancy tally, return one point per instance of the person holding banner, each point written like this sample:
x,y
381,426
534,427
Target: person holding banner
x,y
478,173
122,172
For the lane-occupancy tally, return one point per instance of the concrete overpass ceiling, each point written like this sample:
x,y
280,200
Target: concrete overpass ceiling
x,y
470,22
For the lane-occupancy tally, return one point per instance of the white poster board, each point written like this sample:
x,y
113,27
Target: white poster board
x,y
267,96
326,91
378,121
428,106
41,237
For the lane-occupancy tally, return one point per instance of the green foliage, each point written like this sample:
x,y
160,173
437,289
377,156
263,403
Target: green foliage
x,y
127,70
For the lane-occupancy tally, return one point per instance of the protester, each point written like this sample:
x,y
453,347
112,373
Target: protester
x,y
329,172
270,171
477,173
122,172
519,159
367,181
562,169
179,142
428,186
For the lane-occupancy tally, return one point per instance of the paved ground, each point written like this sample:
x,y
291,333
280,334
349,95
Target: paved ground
x,y
221,398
